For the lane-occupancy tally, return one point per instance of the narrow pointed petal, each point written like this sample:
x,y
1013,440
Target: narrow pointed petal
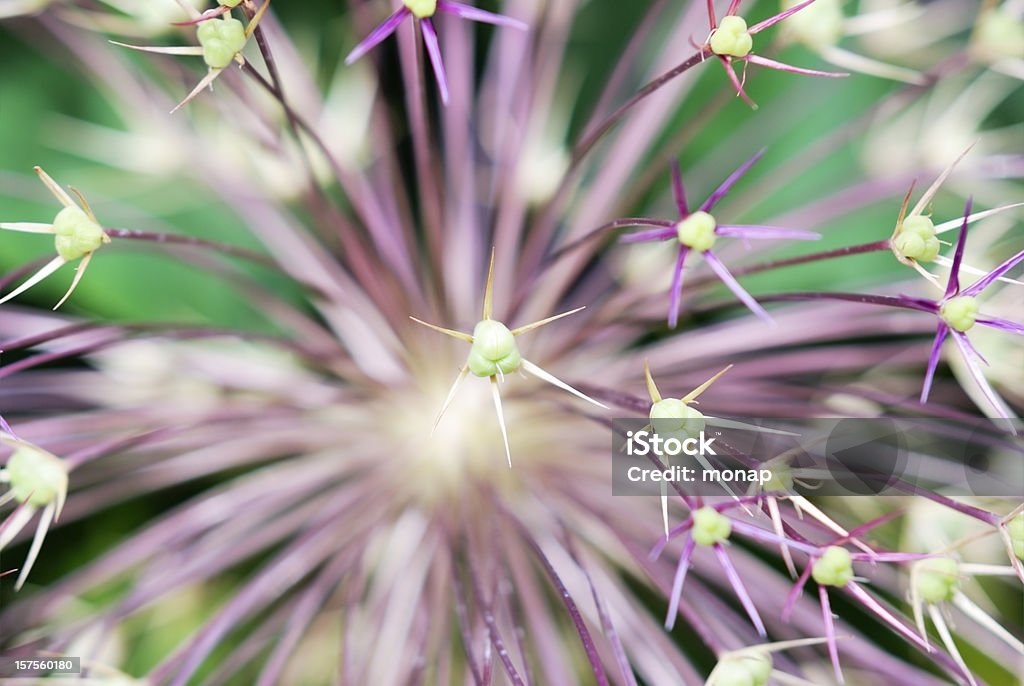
x,y
934,188
977,216
79,273
15,522
678,192
650,235
966,268
257,18
969,608
205,16
953,285
1004,324
771,21
551,379
776,517
536,325
906,201
677,583
47,269
474,14
741,591
933,360
782,66
737,83
695,393
62,197
731,181
451,396
378,35
208,80
865,65
736,288
192,50
711,14
984,282
997,403
652,388
868,601
27,227
434,51
37,543
830,633
664,506
947,640
795,592
448,332
501,418
488,309
677,289
765,232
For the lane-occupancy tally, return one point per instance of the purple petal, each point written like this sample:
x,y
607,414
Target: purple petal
x,y
677,288
434,50
830,632
967,352
1004,324
736,82
782,66
794,593
983,283
741,590
765,232
885,615
650,235
678,192
770,21
378,34
953,286
736,288
474,14
970,346
731,181
933,360
677,584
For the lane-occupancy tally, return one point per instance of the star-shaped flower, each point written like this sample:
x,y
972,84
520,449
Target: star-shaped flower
x,y
494,353
731,40
698,231
220,40
423,12
78,235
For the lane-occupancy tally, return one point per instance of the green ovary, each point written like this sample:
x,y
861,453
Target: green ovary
x,y
672,418
937,580
731,38
834,567
697,231
710,526
743,670
1015,527
494,350
960,313
421,9
36,476
221,40
77,234
917,240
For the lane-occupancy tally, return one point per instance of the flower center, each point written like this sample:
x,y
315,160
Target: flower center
x,y
752,669
36,476
731,38
960,313
494,350
917,240
710,526
77,234
834,567
672,418
697,231
221,40
937,579
421,9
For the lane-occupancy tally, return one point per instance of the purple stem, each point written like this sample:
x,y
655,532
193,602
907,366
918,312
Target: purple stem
x,y
731,181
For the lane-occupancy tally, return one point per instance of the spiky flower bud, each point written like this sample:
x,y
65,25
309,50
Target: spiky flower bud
x,y
76,234
672,417
937,579
36,476
421,9
731,38
747,669
834,567
710,526
221,40
697,231
494,350
916,239
960,313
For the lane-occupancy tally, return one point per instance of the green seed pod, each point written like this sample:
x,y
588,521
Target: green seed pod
x,y
421,9
748,669
494,350
1015,527
710,526
781,479
221,40
834,567
36,476
731,38
673,418
937,579
960,313
818,26
917,239
698,230
77,234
